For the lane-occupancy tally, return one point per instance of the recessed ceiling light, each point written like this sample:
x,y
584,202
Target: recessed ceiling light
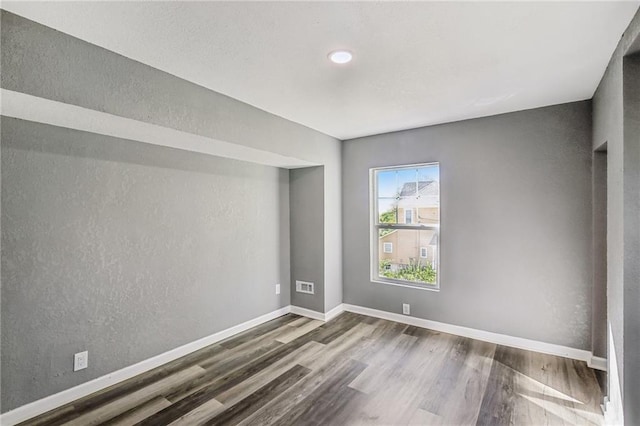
x,y
340,56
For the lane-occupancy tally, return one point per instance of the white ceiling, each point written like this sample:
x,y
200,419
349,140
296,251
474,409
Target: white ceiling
x,y
415,63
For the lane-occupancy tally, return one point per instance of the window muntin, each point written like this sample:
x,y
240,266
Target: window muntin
x,y
406,215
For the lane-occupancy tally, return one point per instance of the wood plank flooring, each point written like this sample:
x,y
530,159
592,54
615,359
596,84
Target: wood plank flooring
x,y
353,370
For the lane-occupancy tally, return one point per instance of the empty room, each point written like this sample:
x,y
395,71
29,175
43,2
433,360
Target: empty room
x,y
320,213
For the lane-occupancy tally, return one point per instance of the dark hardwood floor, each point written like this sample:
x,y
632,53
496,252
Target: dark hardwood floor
x,y
353,370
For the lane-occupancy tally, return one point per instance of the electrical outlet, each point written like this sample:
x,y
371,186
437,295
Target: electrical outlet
x,y
277,288
406,309
80,361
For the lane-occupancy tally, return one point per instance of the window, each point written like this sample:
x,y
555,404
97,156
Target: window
x,y
405,228
424,253
408,216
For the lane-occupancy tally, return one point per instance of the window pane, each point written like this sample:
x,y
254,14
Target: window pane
x,y
414,256
386,181
387,210
409,195
408,216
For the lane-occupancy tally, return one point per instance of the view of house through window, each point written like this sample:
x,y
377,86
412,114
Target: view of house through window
x,y
406,224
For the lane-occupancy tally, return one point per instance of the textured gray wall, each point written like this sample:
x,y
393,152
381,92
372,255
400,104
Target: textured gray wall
x,y
1,322
599,309
609,126
516,247
127,250
307,235
631,76
42,62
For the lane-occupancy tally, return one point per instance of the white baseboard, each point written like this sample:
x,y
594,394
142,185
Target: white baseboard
x,y
597,363
308,313
613,408
318,315
334,312
48,403
486,336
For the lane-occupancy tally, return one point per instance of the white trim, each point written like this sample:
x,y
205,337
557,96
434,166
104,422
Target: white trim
x,y
486,336
375,226
334,312
328,316
407,166
399,283
597,363
41,110
51,402
308,313
613,408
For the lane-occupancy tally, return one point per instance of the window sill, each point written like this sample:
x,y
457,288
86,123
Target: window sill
x,y
407,284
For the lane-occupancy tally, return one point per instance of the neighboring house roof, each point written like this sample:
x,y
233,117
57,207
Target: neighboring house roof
x,y
391,232
423,187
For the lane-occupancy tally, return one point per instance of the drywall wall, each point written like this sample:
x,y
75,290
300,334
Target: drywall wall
x,y
127,250
1,358
607,127
599,308
516,246
307,235
631,95
40,61
332,187
609,114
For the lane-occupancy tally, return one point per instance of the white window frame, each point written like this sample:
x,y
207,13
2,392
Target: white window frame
x,y
376,226
384,247
426,252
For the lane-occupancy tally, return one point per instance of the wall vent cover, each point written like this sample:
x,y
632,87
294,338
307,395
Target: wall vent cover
x,y
304,287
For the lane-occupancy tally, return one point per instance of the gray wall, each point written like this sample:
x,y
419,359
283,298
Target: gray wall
x,y
42,62
611,109
632,237
607,127
1,316
516,247
127,250
307,235
599,309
